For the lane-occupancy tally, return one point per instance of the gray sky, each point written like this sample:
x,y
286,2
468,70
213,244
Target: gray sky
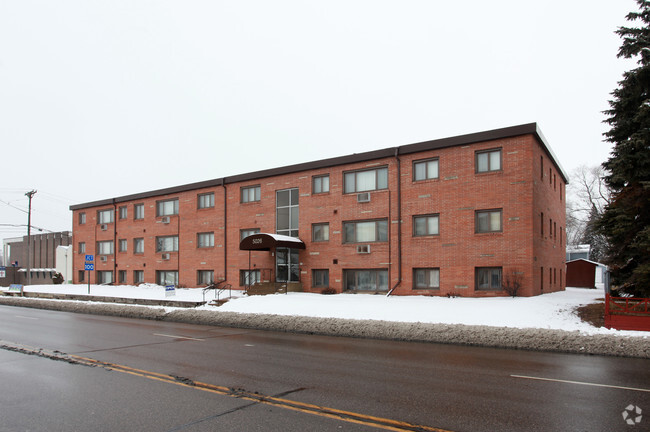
x,y
100,99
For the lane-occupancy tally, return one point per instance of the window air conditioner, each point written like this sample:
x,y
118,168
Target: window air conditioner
x,y
103,258
363,249
165,219
103,227
165,256
363,197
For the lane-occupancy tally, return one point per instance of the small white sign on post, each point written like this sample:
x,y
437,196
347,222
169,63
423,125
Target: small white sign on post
x,y
170,291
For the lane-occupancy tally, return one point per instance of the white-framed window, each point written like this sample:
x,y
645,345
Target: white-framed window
x,y
138,245
320,184
138,211
251,194
320,278
104,277
488,221
105,247
320,232
366,279
138,276
488,160
167,244
205,240
426,278
488,278
205,200
105,216
248,232
365,180
122,245
426,225
249,277
123,212
205,277
167,207
365,231
287,212
425,169
121,276
167,277
82,218
82,247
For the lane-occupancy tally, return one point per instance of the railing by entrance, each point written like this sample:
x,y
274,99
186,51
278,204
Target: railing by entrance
x,y
218,288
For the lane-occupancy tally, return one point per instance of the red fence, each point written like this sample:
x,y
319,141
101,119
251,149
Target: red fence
x,y
627,313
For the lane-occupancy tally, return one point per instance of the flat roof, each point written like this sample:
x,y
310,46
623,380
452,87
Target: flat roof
x,y
495,134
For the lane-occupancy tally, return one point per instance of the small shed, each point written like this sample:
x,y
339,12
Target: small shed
x,y
582,273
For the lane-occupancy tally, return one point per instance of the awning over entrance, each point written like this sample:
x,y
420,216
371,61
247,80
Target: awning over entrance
x,y
266,242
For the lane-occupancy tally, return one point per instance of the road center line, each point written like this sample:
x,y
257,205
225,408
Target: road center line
x,y
580,383
178,337
26,317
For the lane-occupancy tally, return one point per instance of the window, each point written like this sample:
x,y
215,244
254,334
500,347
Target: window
x,y
541,219
105,247
138,246
250,194
426,278
321,184
82,247
205,277
320,278
167,277
426,225
489,160
205,240
121,276
123,212
105,277
369,231
541,164
167,208
82,275
138,276
320,232
167,244
248,232
121,245
488,221
287,212
206,200
138,211
82,218
425,169
488,278
249,277
104,216
366,280
368,180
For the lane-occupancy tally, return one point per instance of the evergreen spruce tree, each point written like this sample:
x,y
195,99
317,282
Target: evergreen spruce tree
x,y
626,220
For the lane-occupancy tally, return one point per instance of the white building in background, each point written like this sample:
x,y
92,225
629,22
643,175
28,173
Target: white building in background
x,y
64,262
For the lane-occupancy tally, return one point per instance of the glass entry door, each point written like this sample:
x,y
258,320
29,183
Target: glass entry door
x,y
287,265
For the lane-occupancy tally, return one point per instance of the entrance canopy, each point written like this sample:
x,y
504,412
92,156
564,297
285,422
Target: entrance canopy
x,y
266,242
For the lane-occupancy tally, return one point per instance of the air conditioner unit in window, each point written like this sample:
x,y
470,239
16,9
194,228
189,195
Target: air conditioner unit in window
x,y
165,219
103,258
103,227
363,249
165,256
363,197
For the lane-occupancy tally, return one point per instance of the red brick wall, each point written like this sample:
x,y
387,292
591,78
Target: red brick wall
x,y
518,189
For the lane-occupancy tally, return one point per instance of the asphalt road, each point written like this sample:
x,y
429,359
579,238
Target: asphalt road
x,y
61,371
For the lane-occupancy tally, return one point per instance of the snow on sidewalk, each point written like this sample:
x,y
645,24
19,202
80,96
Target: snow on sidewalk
x,y
548,311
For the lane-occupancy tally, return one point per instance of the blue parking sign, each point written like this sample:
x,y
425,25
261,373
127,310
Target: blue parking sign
x,y
89,266
90,258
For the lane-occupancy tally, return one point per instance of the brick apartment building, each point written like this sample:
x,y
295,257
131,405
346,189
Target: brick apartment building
x,y
477,212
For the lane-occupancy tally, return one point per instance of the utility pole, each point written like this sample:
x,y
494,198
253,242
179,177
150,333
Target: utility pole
x,y
29,194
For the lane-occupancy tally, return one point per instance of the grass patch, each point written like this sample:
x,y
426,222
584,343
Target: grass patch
x,y
593,314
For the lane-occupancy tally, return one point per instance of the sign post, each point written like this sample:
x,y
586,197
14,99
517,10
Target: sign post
x,y
89,265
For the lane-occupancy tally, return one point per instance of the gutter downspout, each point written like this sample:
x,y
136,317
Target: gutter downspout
x,y
115,245
399,222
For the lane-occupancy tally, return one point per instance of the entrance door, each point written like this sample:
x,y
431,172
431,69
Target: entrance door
x,y
287,268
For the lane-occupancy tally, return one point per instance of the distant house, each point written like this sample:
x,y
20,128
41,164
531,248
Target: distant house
x,y
582,273
577,252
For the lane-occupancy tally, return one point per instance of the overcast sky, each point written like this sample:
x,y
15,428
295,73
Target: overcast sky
x,y
100,99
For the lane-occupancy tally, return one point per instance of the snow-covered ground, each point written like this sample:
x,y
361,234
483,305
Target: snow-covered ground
x,y
548,311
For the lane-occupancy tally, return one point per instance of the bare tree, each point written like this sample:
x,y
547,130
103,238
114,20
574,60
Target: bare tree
x,y
512,282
